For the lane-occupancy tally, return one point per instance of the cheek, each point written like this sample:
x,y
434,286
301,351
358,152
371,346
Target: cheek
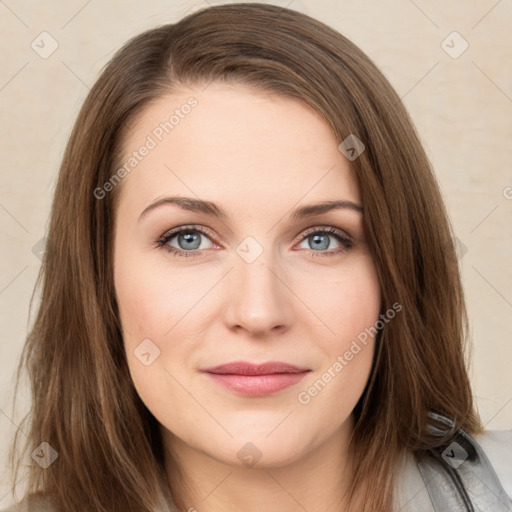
x,y
151,301
349,306
346,302
140,306
144,304
156,310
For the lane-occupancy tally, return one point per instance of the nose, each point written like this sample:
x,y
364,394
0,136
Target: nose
x,y
259,301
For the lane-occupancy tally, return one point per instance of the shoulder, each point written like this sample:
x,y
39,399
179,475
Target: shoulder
x,y
497,445
32,503
412,494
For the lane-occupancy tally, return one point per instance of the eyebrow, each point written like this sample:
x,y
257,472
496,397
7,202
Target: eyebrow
x,y
209,208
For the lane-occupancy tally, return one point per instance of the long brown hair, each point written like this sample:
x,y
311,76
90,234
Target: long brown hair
x,y
84,403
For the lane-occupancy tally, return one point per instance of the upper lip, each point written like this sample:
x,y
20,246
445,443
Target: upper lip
x,y
245,368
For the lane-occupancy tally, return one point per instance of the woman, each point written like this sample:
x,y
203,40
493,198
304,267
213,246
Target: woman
x,y
250,293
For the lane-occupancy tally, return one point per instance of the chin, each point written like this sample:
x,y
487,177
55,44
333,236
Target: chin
x,y
262,452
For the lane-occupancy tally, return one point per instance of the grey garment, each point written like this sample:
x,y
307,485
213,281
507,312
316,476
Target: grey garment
x,y
483,468
426,486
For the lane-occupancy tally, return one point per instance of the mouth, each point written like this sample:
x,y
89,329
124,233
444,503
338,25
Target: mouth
x,y
256,379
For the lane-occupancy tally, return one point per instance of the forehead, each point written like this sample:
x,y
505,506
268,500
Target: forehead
x,y
231,144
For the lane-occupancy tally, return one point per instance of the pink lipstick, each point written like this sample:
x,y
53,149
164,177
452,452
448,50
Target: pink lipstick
x,y
256,379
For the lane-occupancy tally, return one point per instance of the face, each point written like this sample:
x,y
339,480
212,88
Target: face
x,y
249,276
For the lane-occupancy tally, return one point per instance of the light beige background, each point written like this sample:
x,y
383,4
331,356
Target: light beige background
x,y
462,108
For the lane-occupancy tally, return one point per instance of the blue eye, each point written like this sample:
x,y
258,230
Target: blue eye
x,y
187,241
320,240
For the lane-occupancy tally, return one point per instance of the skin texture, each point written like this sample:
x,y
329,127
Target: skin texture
x,y
259,157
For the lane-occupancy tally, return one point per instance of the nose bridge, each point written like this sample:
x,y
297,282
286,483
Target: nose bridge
x,y
252,268
259,300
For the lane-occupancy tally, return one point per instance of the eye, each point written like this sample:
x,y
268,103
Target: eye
x,y
319,239
185,241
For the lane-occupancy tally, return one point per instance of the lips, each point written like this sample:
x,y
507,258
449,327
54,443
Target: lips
x,y
256,379
243,368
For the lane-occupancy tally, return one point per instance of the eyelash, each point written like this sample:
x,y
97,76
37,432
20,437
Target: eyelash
x,y
163,241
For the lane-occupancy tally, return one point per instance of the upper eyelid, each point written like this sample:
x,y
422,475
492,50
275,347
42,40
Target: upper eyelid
x,y
171,233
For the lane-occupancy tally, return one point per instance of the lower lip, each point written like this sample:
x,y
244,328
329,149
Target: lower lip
x,y
257,385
